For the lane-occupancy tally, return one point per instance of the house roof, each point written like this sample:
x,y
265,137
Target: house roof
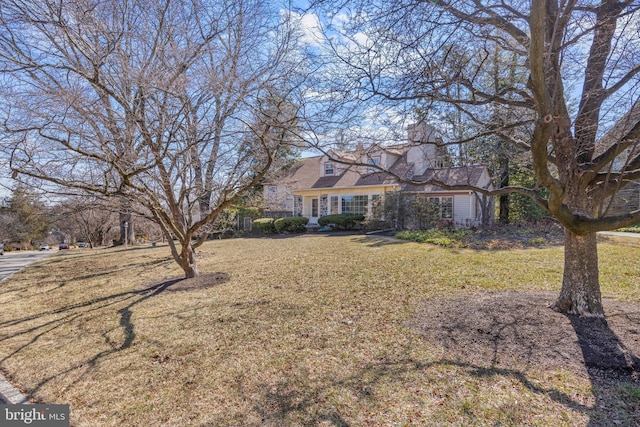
x,y
302,174
464,175
399,168
307,174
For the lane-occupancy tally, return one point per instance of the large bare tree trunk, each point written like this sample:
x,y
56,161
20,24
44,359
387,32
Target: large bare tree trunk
x,y
504,182
580,292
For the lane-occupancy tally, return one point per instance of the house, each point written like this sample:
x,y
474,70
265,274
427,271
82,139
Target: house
x,y
354,181
627,198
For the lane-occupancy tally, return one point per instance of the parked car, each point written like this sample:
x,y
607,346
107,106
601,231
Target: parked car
x,y
44,247
82,245
1,249
63,246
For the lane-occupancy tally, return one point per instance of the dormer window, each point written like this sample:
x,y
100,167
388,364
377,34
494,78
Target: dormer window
x,y
409,174
373,162
328,169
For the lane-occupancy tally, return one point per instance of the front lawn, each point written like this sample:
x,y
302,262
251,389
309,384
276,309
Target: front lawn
x,y
309,330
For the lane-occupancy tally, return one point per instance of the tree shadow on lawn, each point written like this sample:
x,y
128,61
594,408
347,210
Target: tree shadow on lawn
x,y
290,401
76,311
517,330
493,335
376,241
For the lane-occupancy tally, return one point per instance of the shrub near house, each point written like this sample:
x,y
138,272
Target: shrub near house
x,y
295,224
281,225
341,221
265,225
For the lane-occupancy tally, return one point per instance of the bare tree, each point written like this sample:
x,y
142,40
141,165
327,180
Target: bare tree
x,y
146,101
572,95
87,219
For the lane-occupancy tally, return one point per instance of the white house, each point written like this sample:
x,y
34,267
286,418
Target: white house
x,y
351,182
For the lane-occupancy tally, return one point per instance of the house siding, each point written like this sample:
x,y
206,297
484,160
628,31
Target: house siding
x,y
625,200
462,209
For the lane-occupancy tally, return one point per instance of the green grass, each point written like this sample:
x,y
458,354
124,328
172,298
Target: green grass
x,y
454,238
307,330
631,228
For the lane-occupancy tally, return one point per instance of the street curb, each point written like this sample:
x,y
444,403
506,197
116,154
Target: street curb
x,y
9,394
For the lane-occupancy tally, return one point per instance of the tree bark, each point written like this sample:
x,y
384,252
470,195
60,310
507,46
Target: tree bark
x,y
186,258
580,292
504,182
189,262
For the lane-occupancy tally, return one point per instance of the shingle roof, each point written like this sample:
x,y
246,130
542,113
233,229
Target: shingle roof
x,y
307,174
464,175
302,174
399,168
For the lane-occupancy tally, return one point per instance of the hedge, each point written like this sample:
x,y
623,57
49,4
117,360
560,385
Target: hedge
x,y
294,224
344,221
265,225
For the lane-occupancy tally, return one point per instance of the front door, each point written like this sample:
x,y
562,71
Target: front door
x,y
313,217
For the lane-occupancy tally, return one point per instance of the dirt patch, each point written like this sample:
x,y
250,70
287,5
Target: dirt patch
x,y
203,281
517,237
517,330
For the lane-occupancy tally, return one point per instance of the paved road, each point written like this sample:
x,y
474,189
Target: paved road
x,y
620,233
11,262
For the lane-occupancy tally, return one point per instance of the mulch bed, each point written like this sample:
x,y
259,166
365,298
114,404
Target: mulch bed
x,y
518,330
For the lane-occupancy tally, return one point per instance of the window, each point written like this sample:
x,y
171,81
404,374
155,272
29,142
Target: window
x,y
272,192
374,161
409,174
314,208
334,208
445,206
356,205
440,163
328,169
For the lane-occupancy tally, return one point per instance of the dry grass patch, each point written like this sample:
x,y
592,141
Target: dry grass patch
x,y
308,330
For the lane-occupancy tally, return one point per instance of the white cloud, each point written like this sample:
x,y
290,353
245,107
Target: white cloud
x,y
310,28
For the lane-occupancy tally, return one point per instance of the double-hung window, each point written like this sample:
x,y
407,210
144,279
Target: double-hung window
x,y
329,169
445,206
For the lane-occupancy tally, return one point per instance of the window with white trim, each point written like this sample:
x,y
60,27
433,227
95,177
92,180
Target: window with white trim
x,y
373,161
356,205
445,206
328,169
